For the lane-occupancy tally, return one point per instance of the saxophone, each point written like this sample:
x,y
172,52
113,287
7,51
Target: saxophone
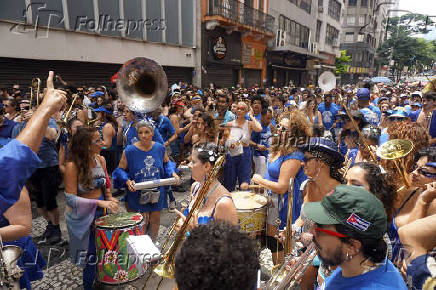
x,y
165,267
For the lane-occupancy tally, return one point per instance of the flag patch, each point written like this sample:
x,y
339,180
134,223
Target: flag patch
x,y
357,222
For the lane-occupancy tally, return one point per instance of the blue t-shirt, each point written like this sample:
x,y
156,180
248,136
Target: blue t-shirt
x,y
432,129
47,151
420,271
165,127
371,115
328,114
262,138
385,276
228,117
6,131
17,163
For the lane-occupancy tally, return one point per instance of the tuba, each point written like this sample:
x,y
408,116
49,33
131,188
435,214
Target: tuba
x,y
396,150
34,91
142,84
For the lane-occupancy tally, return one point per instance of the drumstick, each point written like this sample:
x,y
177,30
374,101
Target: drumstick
x,y
255,186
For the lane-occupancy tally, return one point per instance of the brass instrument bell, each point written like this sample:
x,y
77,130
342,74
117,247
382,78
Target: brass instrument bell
x,y
396,150
142,84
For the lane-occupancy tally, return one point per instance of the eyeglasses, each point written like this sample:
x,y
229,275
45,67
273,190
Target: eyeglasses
x,y
426,173
6,106
330,233
308,158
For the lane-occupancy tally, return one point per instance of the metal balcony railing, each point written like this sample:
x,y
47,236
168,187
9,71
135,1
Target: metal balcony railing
x,y
241,13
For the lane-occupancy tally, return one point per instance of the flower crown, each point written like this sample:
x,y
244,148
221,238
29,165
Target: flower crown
x,y
212,154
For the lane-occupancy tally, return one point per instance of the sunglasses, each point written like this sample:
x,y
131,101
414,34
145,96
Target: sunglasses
x,y
241,108
426,173
330,233
27,108
308,158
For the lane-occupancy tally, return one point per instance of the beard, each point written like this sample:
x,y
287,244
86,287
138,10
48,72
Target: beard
x,y
335,259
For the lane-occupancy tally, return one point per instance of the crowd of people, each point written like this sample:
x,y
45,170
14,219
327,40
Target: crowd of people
x,y
373,225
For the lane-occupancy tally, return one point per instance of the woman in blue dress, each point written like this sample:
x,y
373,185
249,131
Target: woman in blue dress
x,y
142,161
15,226
284,163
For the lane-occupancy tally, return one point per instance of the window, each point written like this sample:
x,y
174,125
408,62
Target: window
x,y
351,20
320,3
352,2
362,20
306,5
335,9
349,37
360,37
298,34
331,37
363,3
358,57
318,30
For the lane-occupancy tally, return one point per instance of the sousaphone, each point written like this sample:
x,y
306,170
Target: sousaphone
x,y
327,81
142,84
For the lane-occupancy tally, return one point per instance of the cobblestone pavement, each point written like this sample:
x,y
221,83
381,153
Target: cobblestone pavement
x,y
60,273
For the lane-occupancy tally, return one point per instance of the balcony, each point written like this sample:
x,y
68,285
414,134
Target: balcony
x,y
233,12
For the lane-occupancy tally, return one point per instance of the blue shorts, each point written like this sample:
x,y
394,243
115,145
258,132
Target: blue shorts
x,y
237,168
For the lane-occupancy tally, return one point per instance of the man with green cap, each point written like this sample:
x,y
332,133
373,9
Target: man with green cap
x,y
348,232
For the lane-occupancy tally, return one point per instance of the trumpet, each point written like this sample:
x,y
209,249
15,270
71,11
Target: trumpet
x,y
64,121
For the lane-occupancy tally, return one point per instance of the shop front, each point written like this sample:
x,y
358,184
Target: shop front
x,y
253,62
221,57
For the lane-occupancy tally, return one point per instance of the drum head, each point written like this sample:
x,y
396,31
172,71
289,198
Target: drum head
x,y
248,200
119,220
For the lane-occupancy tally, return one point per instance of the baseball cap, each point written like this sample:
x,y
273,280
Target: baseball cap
x,y
363,94
353,207
96,94
102,109
417,93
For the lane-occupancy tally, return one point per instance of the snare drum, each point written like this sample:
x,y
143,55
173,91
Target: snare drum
x,y
115,265
251,210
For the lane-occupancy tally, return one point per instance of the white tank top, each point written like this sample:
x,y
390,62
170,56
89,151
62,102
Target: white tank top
x,y
241,134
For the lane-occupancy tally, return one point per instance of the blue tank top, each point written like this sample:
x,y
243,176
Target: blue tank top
x,y
114,138
273,173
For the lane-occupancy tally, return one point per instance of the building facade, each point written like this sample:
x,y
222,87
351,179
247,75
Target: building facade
x,y
363,32
86,41
234,39
306,40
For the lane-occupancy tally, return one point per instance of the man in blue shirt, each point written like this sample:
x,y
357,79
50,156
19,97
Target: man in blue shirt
x,y
348,230
371,113
18,159
6,127
328,111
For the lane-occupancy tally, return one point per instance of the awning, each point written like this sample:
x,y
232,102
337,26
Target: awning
x,y
288,67
356,70
299,50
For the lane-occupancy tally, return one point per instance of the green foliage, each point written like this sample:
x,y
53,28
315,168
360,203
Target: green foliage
x,y
404,49
341,62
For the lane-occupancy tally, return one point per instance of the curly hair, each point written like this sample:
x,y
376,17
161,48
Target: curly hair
x,y
217,256
79,153
380,186
300,130
331,162
410,131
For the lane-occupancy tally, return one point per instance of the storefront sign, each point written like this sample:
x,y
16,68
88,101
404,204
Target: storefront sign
x,y
219,48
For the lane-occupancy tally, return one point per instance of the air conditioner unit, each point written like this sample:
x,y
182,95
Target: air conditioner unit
x,y
281,38
320,9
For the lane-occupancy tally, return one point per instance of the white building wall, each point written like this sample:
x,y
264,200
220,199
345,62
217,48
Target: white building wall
x,y
76,46
327,19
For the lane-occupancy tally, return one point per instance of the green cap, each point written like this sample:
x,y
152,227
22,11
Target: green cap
x,y
352,206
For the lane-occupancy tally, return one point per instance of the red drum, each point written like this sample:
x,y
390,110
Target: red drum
x,y
115,265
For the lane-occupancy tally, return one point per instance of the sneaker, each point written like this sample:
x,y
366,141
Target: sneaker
x,y
48,230
55,237
172,205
